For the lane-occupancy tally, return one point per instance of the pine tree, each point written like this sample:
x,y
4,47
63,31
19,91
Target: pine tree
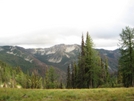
x,y
96,69
69,84
127,56
51,78
107,75
88,62
61,85
47,79
119,76
75,76
81,66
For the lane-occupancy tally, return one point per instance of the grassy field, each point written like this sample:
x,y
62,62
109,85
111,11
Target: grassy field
x,y
99,94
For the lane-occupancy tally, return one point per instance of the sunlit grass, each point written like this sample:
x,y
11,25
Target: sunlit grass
x,y
99,94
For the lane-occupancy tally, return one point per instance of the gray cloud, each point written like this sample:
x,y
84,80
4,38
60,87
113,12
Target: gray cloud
x,y
128,19
108,32
41,38
101,37
46,26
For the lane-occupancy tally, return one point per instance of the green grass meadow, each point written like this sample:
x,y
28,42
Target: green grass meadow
x,y
99,94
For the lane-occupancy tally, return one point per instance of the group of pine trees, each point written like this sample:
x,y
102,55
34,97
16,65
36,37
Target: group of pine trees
x,y
126,62
14,78
90,71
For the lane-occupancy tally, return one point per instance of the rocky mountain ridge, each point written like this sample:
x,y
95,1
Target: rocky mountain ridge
x,y
56,53
58,56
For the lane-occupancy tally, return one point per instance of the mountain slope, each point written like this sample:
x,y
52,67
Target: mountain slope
x,y
113,57
62,55
59,56
18,56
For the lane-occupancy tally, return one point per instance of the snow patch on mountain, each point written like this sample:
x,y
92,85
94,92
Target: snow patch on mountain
x,y
55,60
11,53
12,48
34,51
1,49
105,54
67,56
28,59
69,49
50,52
39,51
42,53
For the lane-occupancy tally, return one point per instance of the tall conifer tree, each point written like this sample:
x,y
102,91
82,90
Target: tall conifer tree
x,y
69,84
88,62
127,56
106,71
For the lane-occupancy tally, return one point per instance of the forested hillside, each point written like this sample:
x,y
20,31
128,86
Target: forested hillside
x,y
59,56
15,78
18,56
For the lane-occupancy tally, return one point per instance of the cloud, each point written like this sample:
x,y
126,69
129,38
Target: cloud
x,y
46,23
43,38
128,17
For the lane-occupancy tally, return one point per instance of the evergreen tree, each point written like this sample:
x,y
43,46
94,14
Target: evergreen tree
x,y
69,84
119,76
96,69
61,85
89,67
127,56
81,66
74,76
51,79
21,79
107,75
47,79
88,62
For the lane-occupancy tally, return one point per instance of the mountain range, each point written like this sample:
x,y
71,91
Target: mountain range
x,y
58,56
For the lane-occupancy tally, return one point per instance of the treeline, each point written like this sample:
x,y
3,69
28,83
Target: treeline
x,y
90,71
15,78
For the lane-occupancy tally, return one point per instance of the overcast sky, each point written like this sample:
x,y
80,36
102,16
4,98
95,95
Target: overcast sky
x,y
44,23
